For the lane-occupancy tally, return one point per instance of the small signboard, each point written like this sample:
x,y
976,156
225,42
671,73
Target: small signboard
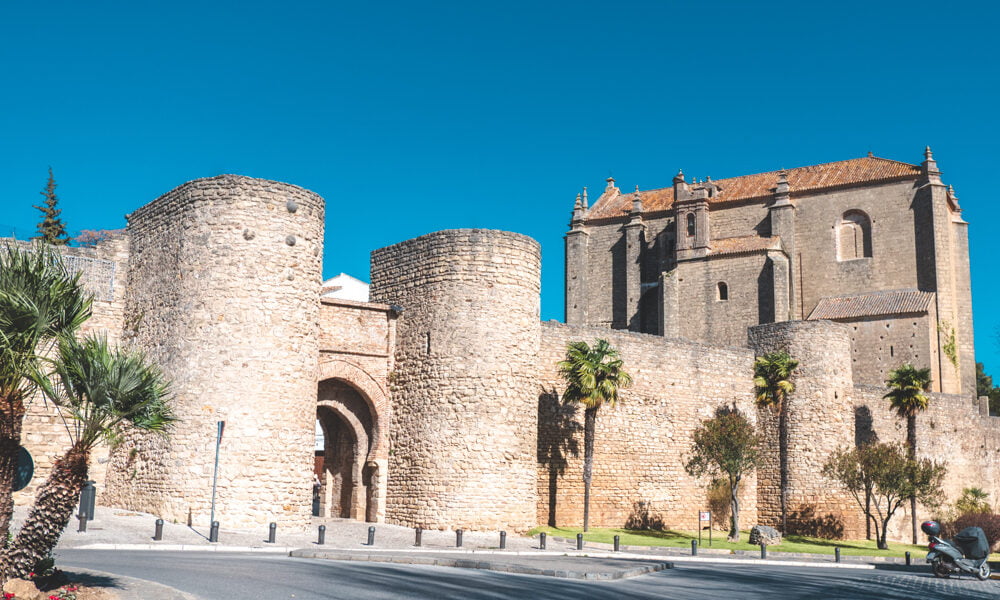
x,y
24,469
705,516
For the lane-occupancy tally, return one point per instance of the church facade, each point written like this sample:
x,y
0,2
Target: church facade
x,y
876,244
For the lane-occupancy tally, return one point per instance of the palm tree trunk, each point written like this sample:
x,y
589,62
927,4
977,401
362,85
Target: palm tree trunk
x,y
11,421
783,466
911,444
589,426
51,513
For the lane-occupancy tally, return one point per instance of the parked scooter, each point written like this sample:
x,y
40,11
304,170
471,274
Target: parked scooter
x,y
966,553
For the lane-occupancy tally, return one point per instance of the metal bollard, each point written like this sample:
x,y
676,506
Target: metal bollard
x,y
836,554
158,533
763,552
213,533
88,495
371,536
272,530
579,541
458,538
694,547
541,541
322,535
417,534
907,558
83,523
503,540
617,543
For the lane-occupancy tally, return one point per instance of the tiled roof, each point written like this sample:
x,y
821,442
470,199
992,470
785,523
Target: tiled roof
x,y
873,304
802,179
750,243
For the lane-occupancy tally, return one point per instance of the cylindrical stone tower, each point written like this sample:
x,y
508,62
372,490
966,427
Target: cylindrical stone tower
x,y
224,276
465,397
820,421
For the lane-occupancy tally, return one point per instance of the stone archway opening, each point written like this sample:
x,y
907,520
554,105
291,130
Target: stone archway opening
x,y
345,485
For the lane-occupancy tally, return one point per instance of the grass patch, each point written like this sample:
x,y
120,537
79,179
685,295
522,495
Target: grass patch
x,y
682,539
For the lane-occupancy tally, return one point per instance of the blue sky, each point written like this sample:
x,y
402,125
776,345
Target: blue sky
x,y
412,117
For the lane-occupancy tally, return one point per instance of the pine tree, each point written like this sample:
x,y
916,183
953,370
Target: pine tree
x,y
51,229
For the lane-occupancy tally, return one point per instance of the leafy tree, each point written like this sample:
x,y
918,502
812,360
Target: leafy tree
x,y
772,381
907,396
51,229
725,445
39,303
593,375
984,387
100,390
90,238
885,474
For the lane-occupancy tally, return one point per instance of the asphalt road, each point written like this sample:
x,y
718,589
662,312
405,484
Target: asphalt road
x,y
216,576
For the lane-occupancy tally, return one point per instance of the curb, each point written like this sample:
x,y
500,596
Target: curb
x,y
133,586
484,565
187,548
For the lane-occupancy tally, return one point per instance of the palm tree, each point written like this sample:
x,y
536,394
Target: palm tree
x,y
102,391
593,377
771,380
40,301
906,396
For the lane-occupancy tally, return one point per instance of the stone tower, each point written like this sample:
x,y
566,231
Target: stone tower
x,y
464,423
224,278
820,421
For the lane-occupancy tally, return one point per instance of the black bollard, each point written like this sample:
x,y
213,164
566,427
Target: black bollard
x,y
417,534
83,522
763,552
158,533
541,541
213,533
322,535
617,543
272,531
458,538
836,554
907,558
579,541
503,540
371,536
88,495
694,547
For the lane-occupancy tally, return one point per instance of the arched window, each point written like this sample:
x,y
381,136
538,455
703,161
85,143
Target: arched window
x,y
690,220
722,291
854,236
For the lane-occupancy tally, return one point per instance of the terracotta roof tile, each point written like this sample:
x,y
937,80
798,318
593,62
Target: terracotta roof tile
x,y
750,243
872,304
802,179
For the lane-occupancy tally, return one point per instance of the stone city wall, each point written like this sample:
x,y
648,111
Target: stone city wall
x,y
224,276
951,431
641,445
464,429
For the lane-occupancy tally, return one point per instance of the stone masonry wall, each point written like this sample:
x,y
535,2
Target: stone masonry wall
x,y
641,445
820,421
463,431
950,431
224,277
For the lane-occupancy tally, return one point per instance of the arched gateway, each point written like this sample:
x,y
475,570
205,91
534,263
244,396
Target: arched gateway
x,y
350,466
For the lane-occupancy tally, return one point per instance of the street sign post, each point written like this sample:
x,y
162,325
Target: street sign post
x,y
705,516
